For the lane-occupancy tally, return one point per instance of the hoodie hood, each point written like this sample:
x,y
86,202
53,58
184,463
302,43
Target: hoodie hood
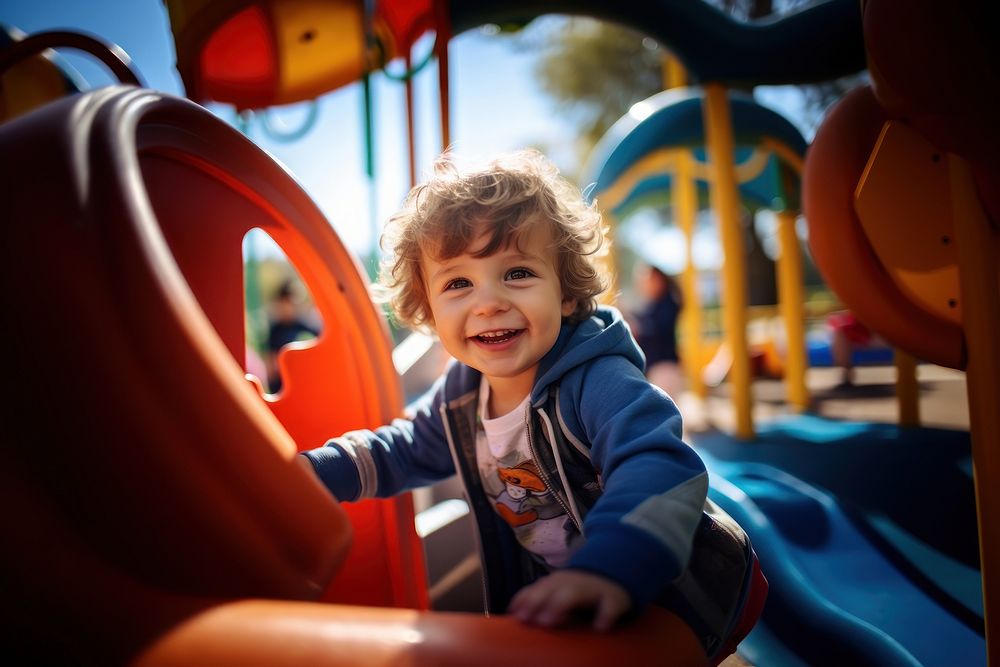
x,y
603,333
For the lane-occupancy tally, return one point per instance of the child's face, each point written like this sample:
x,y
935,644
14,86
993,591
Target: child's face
x,y
499,314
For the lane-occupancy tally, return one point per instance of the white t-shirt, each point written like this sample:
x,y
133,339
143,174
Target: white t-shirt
x,y
519,494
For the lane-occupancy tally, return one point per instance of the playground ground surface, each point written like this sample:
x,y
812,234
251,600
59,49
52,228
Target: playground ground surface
x,y
943,399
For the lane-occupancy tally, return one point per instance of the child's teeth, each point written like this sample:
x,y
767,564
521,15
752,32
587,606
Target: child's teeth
x,y
497,335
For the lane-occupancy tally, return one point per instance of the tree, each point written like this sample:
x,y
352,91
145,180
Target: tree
x,y
594,71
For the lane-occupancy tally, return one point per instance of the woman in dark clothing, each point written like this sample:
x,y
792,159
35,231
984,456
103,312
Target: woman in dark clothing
x,y
656,327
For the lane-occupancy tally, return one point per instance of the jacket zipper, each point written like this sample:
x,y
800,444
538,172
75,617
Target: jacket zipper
x,y
544,473
560,469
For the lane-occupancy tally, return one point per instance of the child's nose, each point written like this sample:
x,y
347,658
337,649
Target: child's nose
x,y
490,301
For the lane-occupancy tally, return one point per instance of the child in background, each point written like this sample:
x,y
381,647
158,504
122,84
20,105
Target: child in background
x,y
848,333
585,497
286,326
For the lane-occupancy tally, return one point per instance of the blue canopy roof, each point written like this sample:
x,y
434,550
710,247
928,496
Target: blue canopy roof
x,y
638,145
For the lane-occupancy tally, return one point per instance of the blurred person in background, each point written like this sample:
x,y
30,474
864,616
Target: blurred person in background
x,y
286,326
655,325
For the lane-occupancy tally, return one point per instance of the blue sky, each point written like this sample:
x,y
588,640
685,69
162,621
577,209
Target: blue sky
x,y
496,106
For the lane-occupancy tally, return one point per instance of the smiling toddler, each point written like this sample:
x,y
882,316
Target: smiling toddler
x,y
585,497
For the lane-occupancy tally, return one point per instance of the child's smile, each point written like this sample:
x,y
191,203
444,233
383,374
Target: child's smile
x,y
497,339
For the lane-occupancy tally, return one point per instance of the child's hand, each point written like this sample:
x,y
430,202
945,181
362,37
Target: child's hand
x,y
550,600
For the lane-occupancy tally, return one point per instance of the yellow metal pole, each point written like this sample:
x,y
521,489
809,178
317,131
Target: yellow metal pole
x,y
791,299
674,74
907,389
686,212
685,197
977,244
725,201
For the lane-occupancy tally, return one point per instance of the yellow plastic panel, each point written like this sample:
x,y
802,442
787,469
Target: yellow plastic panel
x,y
904,207
320,46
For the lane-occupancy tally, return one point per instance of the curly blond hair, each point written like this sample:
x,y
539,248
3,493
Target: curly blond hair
x,y
506,200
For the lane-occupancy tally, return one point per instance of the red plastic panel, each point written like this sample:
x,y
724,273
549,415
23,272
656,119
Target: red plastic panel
x,y
239,59
136,457
344,380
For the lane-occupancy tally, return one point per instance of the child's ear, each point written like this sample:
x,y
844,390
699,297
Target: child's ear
x,y
568,306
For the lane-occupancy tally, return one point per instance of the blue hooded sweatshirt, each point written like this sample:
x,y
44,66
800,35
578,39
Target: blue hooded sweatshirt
x,y
609,448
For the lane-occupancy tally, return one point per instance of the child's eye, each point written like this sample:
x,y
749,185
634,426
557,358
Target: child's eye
x,y
457,283
519,274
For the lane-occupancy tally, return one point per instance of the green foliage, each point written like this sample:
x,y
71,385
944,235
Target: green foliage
x,y
594,70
